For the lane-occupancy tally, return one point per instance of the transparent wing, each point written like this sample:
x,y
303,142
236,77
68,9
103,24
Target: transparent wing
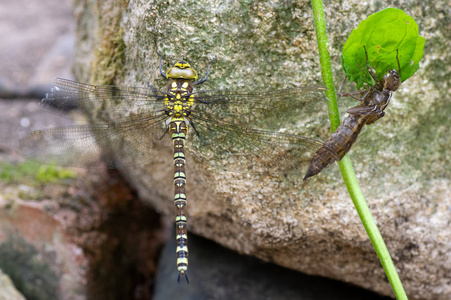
x,y
236,148
264,109
133,127
110,103
116,103
137,140
235,129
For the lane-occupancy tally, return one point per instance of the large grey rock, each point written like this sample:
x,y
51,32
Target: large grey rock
x,y
402,161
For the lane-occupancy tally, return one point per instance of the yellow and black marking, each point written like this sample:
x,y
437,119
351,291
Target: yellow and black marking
x,y
179,102
178,130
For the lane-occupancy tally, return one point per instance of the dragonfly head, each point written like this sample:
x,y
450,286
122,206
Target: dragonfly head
x,y
392,80
181,70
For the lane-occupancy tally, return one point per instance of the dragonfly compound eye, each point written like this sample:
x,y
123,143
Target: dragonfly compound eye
x,y
392,80
182,70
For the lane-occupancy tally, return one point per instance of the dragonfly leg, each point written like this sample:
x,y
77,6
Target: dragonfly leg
x,y
346,94
206,76
154,91
341,86
165,132
399,66
161,68
368,66
352,95
366,94
197,133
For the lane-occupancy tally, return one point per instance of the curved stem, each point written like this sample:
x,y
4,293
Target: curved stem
x,y
345,164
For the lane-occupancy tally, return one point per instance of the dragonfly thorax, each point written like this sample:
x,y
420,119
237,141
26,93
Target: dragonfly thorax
x,y
179,99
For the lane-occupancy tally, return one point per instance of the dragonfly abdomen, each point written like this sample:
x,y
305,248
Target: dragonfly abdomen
x,y
178,130
346,134
339,143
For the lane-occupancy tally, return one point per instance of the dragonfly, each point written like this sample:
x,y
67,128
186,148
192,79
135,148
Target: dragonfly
x,y
135,124
370,109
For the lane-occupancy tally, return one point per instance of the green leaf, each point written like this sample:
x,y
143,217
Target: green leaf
x,y
382,34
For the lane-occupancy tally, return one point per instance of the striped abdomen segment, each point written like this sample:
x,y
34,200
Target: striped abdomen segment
x,y
178,130
339,143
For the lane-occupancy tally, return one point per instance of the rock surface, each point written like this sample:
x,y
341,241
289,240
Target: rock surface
x,y
37,43
7,289
38,255
402,161
83,238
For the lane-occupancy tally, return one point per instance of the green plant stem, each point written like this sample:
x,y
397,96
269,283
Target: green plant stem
x,y
345,164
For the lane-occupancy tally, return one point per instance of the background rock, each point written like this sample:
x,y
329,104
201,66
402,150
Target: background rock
x,y
402,162
37,43
37,255
7,289
57,239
